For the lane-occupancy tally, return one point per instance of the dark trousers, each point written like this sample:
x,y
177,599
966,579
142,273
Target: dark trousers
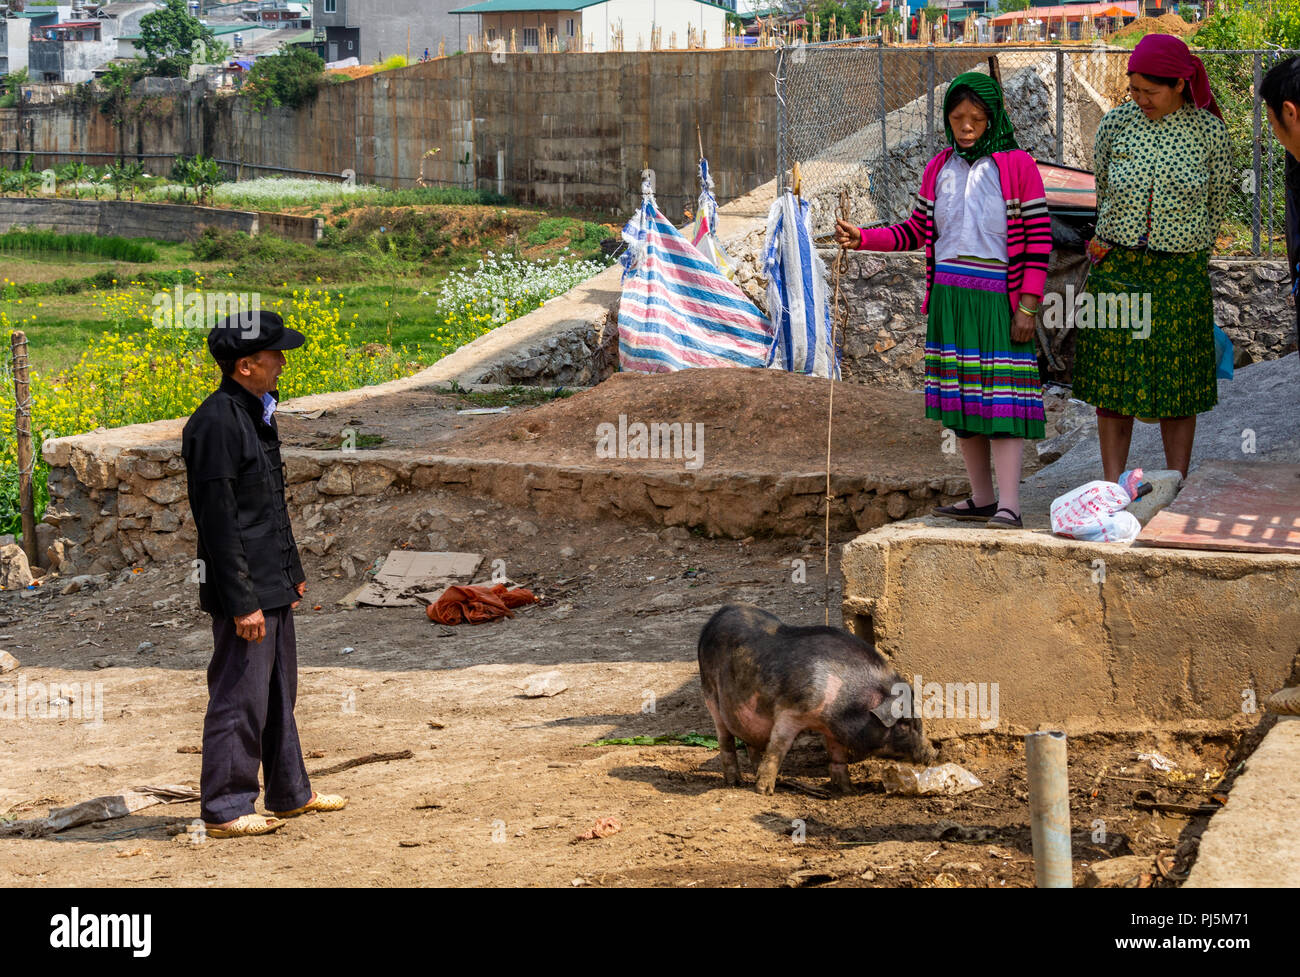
x,y
249,724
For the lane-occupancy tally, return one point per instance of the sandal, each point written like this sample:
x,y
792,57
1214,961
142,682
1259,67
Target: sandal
x,y
967,510
246,826
318,802
1000,522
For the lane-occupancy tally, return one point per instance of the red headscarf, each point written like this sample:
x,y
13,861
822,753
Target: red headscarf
x,y
1165,56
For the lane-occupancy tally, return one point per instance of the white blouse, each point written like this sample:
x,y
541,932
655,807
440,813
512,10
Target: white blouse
x,y
970,213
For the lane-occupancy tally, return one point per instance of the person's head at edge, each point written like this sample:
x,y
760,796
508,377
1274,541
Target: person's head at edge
x,y
252,353
1281,94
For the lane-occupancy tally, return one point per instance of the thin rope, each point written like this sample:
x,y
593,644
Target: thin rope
x,y
830,409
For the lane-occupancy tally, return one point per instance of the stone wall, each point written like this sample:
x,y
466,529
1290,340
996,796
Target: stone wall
x,y
116,502
885,340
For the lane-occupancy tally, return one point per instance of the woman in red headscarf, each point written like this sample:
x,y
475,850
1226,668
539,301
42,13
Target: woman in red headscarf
x,y
1146,324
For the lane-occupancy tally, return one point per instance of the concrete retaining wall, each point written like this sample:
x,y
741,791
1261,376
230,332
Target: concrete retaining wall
x,y
1089,636
122,218
162,222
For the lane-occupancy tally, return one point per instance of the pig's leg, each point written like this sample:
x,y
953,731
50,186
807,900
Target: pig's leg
x,y
755,751
726,746
840,781
779,742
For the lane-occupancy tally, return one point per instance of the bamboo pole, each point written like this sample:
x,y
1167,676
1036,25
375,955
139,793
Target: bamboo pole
x,y
26,461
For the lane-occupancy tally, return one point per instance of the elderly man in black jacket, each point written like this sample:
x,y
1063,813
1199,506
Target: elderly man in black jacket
x,y
250,581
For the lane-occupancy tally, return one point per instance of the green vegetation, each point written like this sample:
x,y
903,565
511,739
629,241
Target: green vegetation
x,y
48,242
290,77
171,38
672,739
512,396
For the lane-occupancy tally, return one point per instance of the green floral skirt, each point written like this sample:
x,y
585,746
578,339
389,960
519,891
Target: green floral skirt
x,y
1145,335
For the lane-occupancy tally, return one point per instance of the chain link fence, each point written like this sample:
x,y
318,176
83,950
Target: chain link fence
x,y
863,117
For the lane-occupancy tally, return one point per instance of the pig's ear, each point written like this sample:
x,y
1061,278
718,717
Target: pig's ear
x,y
895,706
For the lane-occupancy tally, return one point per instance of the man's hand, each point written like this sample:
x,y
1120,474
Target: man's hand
x,y
302,589
251,627
846,235
1022,327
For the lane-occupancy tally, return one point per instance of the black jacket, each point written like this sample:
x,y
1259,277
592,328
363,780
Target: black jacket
x,y
1293,228
236,486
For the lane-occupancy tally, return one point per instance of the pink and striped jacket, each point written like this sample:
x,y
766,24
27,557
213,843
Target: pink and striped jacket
x,y
1029,228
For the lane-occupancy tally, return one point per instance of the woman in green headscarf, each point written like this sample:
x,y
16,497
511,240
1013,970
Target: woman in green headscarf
x,y
981,216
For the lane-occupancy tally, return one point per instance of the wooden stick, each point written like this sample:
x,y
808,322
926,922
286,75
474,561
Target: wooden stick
x,y
830,407
361,761
23,424
700,137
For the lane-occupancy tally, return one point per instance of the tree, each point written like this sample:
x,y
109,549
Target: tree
x,y
13,82
75,173
1011,6
168,37
115,100
125,176
289,77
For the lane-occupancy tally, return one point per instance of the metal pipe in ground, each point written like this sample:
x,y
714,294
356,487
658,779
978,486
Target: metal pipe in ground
x,y
1049,809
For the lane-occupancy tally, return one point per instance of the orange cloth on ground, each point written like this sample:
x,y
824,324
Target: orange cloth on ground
x,y
477,604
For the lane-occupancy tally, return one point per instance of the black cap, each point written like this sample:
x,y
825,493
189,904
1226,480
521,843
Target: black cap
x,y
246,333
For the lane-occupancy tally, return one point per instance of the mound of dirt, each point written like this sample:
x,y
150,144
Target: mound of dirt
x,y
753,420
1164,24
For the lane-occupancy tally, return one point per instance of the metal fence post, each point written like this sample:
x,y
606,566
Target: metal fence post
x,y
780,120
1060,107
929,102
1259,188
884,126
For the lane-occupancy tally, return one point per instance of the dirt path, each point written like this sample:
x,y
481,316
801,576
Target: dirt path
x,y
498,793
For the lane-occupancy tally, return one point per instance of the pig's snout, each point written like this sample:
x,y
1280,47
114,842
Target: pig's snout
x,y
925,754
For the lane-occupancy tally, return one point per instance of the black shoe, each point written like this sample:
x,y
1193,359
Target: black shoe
x,y
967,510
1000,521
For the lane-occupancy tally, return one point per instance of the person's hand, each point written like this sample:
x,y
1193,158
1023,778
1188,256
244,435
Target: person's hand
x,y
302,589
1022,327
251,627
847,235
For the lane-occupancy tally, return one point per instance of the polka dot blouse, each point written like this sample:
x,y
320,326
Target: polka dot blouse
x,y
1180,166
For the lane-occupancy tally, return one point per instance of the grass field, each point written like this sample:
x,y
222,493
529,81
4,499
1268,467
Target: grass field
x,y
387,291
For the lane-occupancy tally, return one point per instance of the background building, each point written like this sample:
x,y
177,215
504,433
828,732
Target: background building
x,y
596,24
374,29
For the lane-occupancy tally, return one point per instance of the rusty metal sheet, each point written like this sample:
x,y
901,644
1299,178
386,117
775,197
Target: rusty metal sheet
x,y
1229,505
1068,188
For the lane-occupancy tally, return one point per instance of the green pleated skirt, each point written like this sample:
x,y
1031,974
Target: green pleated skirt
x,y
1145,335
977,381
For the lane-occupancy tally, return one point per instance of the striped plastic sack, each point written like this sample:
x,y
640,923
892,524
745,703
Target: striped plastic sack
x,y
677,312
704,233
797,294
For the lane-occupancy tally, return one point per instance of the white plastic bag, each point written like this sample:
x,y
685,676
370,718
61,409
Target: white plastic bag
x,y
947,778
1095,513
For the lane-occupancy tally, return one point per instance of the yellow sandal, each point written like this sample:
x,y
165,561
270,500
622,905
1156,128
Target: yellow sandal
x,y
247,826
318,802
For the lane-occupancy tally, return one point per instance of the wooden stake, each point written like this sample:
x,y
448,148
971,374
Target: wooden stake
x,y
700,137
23,424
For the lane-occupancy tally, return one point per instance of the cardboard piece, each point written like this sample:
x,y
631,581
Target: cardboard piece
x,y
408,575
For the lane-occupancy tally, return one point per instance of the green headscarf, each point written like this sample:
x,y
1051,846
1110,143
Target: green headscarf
x,y
1000,135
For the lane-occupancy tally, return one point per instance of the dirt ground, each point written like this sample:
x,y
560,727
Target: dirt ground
x,y
497,792
880,431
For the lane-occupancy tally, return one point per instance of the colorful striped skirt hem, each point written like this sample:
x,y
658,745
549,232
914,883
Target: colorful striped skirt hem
x,y
977,380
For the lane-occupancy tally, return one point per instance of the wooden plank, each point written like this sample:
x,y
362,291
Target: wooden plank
x,y
1240,507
